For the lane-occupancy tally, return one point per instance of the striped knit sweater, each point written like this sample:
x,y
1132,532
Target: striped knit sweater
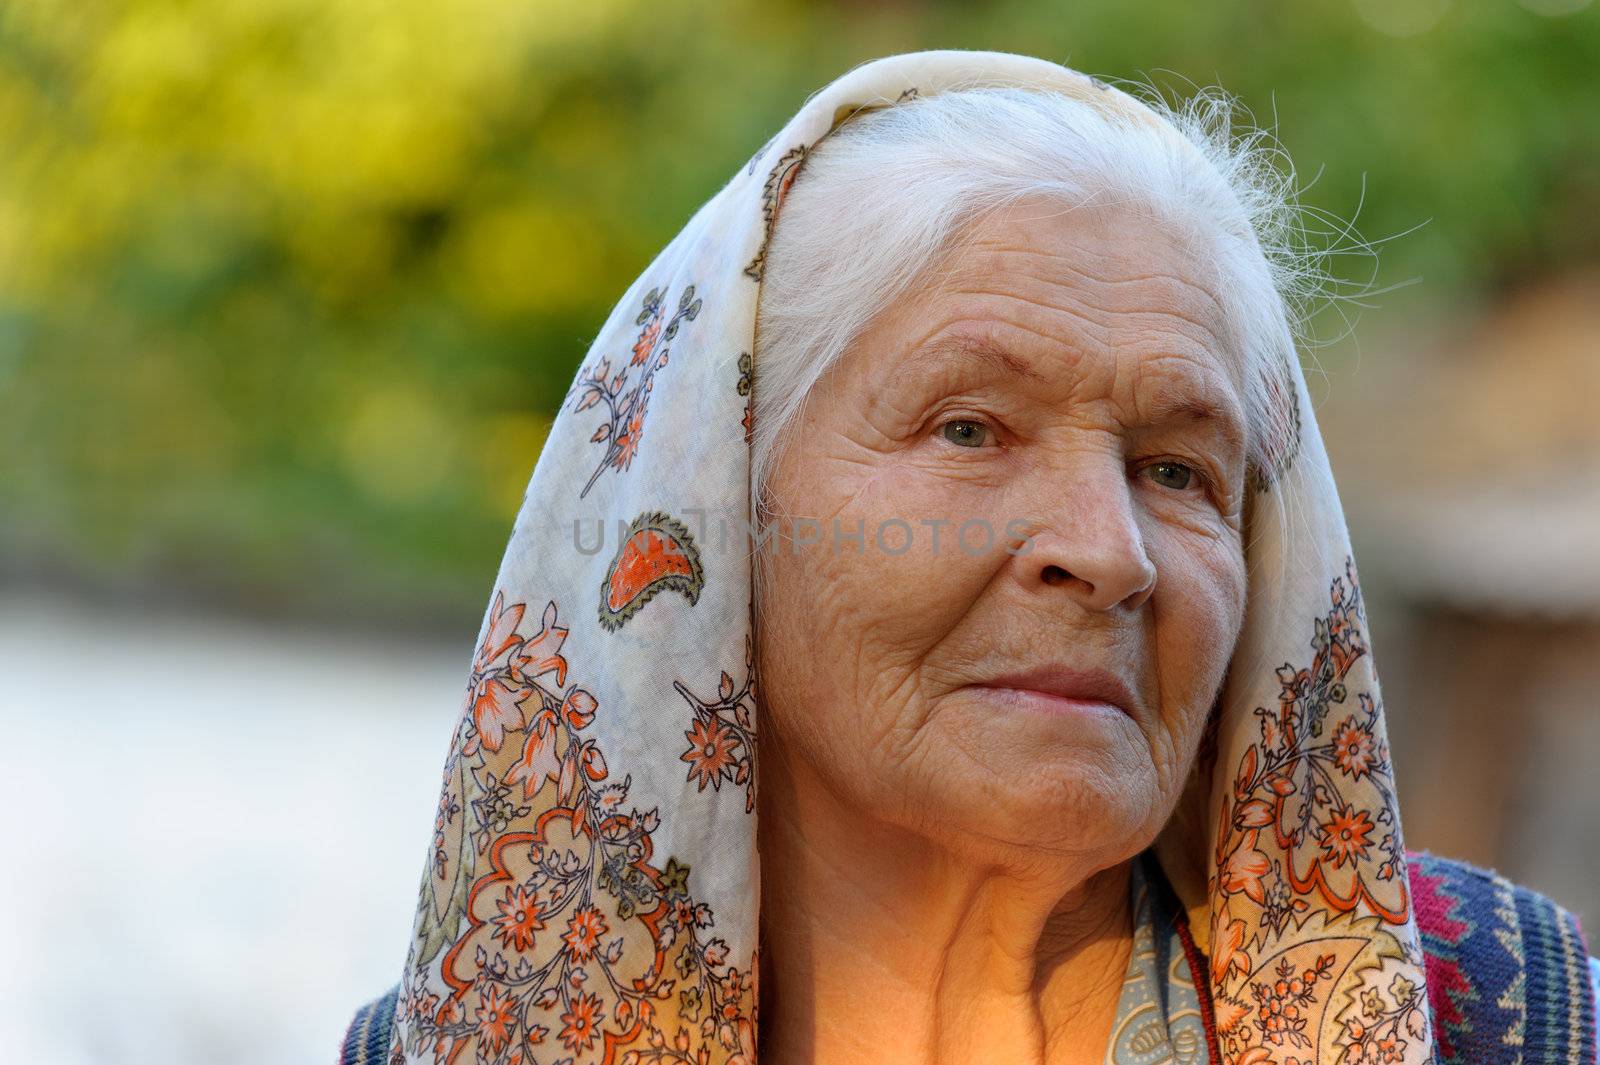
x,y
1510,979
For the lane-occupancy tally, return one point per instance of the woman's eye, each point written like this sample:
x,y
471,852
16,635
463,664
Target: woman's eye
x,y
1173,475
965,432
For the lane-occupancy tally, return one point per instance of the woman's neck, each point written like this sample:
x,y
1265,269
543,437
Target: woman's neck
x,y
879,946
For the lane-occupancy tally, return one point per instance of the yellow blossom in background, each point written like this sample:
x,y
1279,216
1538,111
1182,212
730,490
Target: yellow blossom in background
x,y
395,443
287,282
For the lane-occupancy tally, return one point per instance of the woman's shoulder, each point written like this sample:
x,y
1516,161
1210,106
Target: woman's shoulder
x,y
1508,968
367,1038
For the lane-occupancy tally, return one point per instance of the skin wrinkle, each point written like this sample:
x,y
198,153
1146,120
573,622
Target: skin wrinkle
x,y
1045,336
930,340
1085,321
1086,275
1215,417
966,251
1161,282
944,873
1085,318
970,262
967,346
1056,950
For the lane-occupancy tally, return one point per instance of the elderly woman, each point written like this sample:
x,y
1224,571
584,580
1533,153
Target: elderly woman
x,y
968,417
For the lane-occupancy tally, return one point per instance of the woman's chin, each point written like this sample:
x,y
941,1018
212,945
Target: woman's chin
x,y
1080,800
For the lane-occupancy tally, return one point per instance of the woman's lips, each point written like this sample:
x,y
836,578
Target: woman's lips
x,y
1045,703
1060,689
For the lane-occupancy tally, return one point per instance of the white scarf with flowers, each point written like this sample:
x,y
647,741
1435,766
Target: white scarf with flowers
x,y
590,890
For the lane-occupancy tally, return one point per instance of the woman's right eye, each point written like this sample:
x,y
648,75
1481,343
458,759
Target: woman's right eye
x,y
965,432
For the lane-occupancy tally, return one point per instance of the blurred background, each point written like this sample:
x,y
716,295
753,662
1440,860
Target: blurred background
x,y
290,290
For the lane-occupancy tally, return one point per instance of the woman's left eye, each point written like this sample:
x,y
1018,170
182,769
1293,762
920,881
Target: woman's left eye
x,y
1175,475
965,432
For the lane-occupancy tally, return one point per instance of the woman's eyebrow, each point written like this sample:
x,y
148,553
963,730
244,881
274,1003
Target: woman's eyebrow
x,y
1202,408
981,349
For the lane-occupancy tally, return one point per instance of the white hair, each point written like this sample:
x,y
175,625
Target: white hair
x,y
884,197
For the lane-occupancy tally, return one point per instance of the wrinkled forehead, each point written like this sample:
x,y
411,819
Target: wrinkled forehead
x,y
1082,277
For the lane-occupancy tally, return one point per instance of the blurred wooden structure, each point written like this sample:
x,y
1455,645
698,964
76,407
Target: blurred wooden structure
x,y
1469,466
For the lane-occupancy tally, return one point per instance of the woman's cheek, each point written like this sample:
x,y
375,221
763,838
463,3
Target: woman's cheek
x,y
917,589
1198,621
1204,553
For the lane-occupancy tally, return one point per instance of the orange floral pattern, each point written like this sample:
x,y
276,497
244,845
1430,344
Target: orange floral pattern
x,y
626,401
722,736
1309,878
558,933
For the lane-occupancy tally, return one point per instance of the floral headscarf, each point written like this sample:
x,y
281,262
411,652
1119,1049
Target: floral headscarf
x,y
590,892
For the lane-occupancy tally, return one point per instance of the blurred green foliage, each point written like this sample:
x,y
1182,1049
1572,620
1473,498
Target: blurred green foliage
x,y
284,282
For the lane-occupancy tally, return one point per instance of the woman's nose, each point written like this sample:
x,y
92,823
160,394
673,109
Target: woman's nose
x,y
1089,545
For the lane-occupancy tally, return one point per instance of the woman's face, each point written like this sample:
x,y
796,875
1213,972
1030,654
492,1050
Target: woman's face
x,y
1062,385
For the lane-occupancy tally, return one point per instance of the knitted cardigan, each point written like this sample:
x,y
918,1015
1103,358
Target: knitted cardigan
x,y
1510,980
